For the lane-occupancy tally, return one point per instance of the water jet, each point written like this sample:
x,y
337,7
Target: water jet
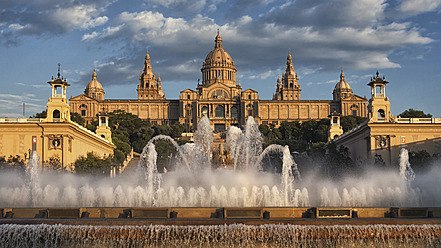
x,y
205,199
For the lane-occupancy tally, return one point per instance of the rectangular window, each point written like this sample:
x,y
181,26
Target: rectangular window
x,y
83,112
354,112
219,127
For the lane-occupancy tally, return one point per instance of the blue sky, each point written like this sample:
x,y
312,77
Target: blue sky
x,y
399,38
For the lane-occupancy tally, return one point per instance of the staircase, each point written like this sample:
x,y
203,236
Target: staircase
x,y
131,166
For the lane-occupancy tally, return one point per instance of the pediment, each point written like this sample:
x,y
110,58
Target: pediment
x,y
355,98
188,91
250,90
81,97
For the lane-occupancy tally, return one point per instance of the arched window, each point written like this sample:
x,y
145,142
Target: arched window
x,y
219,111
219,94
381,113
205,111
234,112
56,114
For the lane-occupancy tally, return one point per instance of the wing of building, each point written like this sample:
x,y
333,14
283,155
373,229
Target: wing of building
x,y
381,138
220,97
56,136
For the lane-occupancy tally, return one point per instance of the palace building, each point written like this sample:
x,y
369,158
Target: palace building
x,y
220,97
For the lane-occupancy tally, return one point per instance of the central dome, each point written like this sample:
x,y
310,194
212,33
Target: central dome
x,y
218,65
218,56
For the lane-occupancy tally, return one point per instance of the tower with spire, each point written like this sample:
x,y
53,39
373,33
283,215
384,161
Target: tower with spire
x,y
149,87
288,87
58,109
379,105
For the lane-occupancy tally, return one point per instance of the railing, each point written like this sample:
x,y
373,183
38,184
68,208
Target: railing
x,y
418,120
90,132
350,131
20,120
379,95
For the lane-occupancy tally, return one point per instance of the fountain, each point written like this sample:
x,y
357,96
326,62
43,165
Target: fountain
x,y
194,183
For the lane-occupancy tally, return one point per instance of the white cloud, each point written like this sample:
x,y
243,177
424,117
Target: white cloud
x,y
191,65
322,35
39,18
324,13
80,16
194,4
415,7
33,85
154,29
90,36
15,27
266,74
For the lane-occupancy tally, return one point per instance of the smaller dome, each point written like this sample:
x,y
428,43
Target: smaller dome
x,y
94,84
342,85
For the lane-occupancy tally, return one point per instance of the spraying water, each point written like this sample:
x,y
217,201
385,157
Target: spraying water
x,y
406,172
194,183
235,235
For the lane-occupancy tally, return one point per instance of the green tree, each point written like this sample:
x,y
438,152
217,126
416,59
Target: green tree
x,y
411,113
75,117
264,129
42,114
315,131
291,130
351,121
92,125
13,162
129,131
420,160
93,164
338,161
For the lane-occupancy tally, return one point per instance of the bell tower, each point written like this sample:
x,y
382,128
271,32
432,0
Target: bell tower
x,y
335,129
379,105
58,109
103,129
